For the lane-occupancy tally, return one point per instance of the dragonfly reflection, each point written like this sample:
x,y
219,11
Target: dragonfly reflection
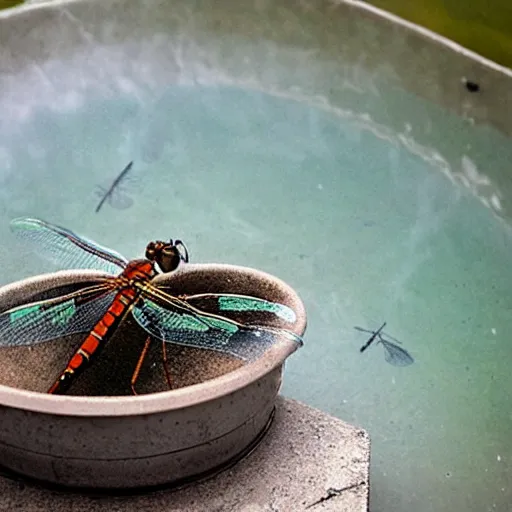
x,y
115,194
395,355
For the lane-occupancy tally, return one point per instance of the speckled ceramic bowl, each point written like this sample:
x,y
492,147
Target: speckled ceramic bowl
x,y
215,415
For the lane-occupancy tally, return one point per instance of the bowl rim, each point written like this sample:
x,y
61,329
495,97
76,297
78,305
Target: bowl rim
x,y
118,406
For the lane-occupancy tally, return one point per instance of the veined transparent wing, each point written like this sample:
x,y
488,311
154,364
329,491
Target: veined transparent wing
x,y
220,303
66,249
395,355
117,193
118,198
46,320
184,325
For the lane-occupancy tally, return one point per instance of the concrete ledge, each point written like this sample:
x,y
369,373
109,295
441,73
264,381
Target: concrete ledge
x,y
307,461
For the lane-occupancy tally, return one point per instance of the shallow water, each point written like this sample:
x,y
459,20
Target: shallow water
x,y
366,225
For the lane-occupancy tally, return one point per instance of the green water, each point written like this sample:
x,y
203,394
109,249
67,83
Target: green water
x,y
366,227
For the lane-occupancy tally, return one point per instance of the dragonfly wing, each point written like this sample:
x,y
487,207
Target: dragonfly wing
x,y
65,248
119,200
395,355
388,337
42,321
221,303
131,181
100,192
188,327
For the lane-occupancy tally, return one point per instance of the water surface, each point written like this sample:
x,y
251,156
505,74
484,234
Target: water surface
x,y
367,226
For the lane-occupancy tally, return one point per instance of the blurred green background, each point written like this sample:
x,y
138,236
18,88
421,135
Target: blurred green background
x,y
8,3
478,25
484,27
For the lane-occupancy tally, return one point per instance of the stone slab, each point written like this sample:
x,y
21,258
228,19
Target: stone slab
x,y
308,460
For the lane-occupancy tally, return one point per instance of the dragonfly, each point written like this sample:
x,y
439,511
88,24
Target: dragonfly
x,y
98,309
393,354
115,194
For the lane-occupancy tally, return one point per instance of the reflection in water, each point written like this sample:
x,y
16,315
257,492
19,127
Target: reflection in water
x,y
115,195
394,355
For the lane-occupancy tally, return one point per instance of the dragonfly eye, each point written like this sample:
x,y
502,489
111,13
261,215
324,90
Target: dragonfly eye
x,y
167,255
168,260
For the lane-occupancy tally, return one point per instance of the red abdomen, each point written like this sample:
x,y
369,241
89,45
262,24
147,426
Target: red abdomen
x,y
137,270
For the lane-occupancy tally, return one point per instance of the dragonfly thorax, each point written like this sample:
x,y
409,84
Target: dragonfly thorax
x,y
139,270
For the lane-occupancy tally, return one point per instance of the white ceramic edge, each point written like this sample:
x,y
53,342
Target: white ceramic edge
x,y
155,402
358,4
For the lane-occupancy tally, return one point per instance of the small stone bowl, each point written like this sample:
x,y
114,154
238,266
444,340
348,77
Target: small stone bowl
x,y
215,413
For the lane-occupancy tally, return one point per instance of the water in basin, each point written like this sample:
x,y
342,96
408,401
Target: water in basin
x,y
366,225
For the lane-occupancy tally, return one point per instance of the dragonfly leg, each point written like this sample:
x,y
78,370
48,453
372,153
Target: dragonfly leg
x,y
140,362
166,367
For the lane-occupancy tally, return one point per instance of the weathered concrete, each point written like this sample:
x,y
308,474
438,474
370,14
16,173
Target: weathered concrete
x,y
307,461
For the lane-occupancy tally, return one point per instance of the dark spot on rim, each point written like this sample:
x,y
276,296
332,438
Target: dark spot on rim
x,y
471,86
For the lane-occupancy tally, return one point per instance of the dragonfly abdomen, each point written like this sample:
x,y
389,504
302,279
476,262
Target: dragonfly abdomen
x,y
96,339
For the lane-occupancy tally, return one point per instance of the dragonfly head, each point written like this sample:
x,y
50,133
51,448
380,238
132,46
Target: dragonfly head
x,y
167,255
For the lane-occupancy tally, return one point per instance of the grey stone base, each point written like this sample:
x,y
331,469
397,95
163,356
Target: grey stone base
x,y
308,460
